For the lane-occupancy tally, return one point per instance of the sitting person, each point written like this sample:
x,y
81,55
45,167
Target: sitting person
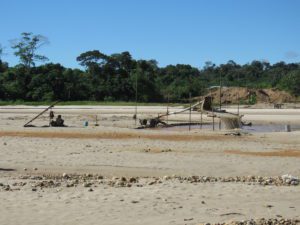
x,y
59,122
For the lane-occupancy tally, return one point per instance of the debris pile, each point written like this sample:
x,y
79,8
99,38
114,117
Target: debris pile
x,y
261,221
230,95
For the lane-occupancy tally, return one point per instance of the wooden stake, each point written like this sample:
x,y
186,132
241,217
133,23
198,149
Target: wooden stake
x,y
201,121
190,116
168,110
136,98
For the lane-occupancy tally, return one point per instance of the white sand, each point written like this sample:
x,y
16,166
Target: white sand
x,y
114,149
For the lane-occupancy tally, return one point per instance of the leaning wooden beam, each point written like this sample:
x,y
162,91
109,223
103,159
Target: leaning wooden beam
x,y
51,106
181,111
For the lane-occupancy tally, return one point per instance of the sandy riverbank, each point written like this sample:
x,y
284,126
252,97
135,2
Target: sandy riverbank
x,y
114,149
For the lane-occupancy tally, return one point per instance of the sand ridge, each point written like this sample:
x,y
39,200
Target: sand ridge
x,y
279,153
114,135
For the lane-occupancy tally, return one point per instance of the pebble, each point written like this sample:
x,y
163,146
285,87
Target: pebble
x,y
166,178
132,180
87,184
188,219
65,175
6,188
151,182
120,183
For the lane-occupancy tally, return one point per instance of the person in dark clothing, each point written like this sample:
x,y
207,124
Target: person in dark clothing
x,y
59,122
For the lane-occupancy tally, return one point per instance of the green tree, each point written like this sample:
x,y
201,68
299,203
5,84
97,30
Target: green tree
x,y
26,48
1,51
92,60
291,82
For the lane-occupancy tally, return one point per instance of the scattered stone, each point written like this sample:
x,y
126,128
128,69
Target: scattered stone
x,y
19,184
87,184
65,175
35,168
120,183
262,221
234,134
166,178
91,190
132,180
87,180
6,188
25,169
151,182
134,201
34,189
188,219
289,179
4,143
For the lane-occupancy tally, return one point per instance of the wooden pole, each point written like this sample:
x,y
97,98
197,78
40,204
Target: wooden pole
x,y
190,116
238,95
136,98
96,121
213,121
220,99
51,106
201,121
212,110
168,110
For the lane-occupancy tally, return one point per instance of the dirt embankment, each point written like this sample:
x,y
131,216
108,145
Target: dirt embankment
x,y
231,95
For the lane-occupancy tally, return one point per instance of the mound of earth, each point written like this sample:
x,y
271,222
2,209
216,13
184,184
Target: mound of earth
x,y
230,95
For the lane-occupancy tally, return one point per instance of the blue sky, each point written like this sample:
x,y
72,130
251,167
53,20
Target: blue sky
x,y
170,31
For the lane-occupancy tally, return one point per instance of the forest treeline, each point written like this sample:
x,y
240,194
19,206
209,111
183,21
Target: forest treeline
x,y
116,77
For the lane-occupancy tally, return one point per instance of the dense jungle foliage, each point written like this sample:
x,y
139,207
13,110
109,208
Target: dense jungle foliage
x,y
116,77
